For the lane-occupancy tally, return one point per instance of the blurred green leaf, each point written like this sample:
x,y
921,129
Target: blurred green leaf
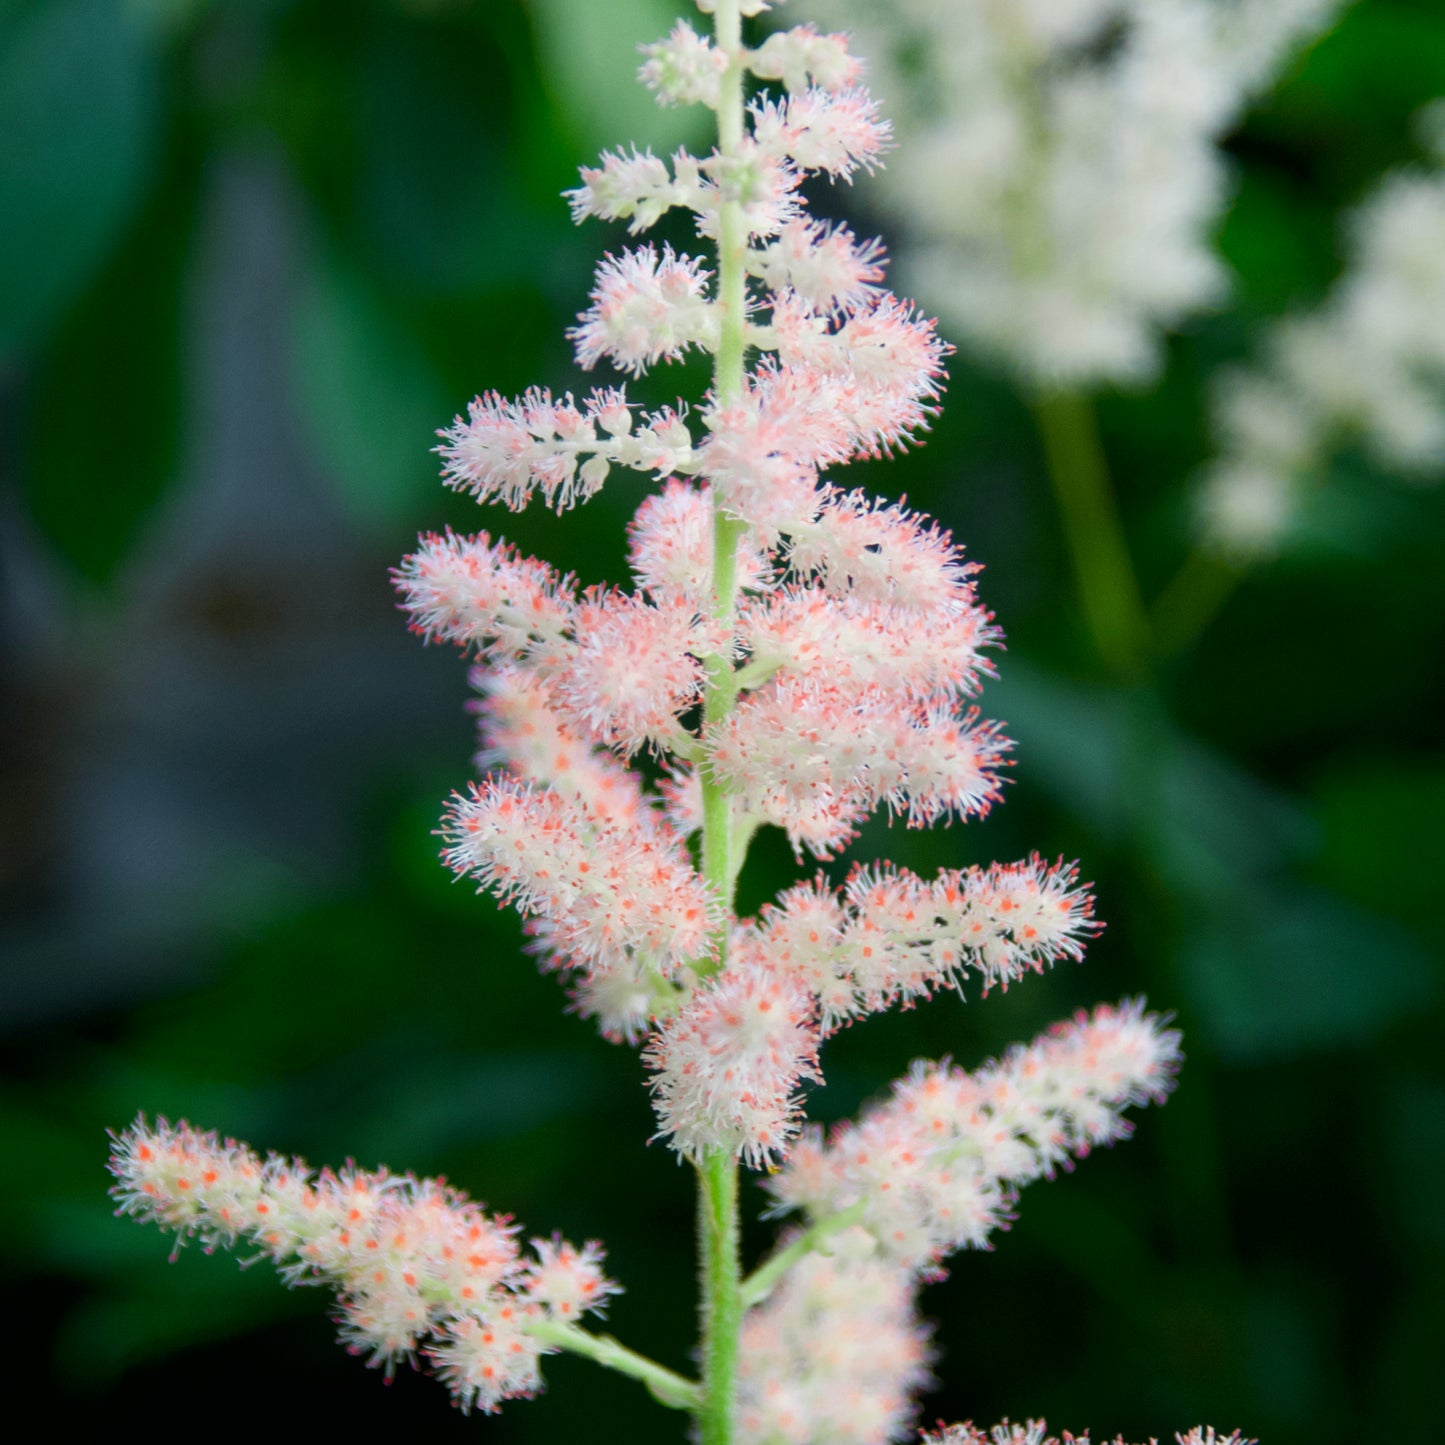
x,y
349,952
1114,758
106,412
1271,243
168,1308
436,188
422,1103
1214,823
80,1234
1353,514
1286,1350
78,110
590,53
367,394
1413,1119
1381,824
1290,973
60,1160
1070,738
1272,968
1361,82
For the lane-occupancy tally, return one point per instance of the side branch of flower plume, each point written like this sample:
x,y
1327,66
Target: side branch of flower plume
x,y
763,1280
666,1386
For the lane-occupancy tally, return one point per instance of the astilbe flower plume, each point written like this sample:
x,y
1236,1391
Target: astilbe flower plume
x,y
788,654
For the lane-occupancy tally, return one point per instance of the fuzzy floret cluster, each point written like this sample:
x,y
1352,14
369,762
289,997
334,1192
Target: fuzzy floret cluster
x,y
1034,1432
888,936
836,1353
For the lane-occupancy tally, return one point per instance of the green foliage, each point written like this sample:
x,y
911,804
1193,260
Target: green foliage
x,y
367,393
79,107
591,60
105,423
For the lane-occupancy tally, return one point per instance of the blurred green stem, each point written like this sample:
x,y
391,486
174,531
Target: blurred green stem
x,y
1192,600
1113,606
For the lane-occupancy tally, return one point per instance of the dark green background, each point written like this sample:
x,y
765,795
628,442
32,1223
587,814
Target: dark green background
x,y
251,256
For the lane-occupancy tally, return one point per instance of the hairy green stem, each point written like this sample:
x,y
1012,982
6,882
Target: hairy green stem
x,y
718,866
718,1229
717,1224
666,1385
763,1280
1108,587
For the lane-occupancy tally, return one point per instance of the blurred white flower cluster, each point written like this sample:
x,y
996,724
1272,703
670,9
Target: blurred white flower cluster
x,y
1058,173
1367,367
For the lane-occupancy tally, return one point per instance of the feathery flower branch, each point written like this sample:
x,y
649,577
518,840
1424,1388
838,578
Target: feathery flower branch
x,y
417,1267
789,654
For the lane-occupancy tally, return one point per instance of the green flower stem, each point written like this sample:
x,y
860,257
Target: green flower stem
x,y
1113,607
718,1230
719,868
743,830
667,1387
763,1280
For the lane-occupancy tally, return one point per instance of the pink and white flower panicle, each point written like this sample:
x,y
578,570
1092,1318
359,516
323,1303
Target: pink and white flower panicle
x,y
851,657
727,1065
787,653
417,1267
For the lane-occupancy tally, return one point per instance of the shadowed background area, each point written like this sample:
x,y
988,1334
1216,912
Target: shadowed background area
x,y
252,255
